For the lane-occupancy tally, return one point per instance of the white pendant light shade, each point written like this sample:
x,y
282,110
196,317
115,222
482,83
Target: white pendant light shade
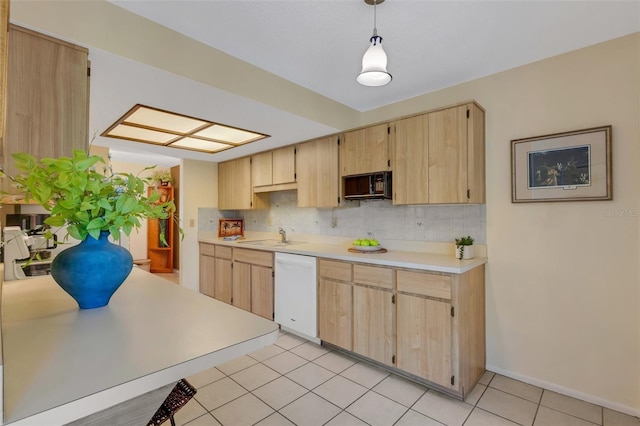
x,y
374,65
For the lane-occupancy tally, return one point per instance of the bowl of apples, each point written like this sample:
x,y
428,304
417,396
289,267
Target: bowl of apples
x,y
365,244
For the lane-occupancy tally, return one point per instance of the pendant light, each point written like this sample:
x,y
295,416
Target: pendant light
x,y
374,62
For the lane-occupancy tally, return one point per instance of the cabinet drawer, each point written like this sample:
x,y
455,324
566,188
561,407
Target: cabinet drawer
x,y
334,270
255,257
223,252
425,284
373,275
207,249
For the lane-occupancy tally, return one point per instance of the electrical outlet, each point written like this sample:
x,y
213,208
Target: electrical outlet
x,y
269,221
192,223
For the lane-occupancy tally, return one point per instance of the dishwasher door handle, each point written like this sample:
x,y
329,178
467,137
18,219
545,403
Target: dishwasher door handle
x,y
296,262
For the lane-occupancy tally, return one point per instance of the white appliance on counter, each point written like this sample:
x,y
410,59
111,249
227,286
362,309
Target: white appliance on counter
x,y
18,249
296,294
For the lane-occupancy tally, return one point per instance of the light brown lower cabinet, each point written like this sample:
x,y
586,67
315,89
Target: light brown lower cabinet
x,y
429,325
238,276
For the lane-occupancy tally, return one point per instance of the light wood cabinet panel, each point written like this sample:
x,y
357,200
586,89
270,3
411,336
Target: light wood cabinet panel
x,y
222,280
235,191
317,173
255,257
377,276
262,169
241,296
284,165
424,338
334,313
448,156
262,291
373,324
4,54
365,151
336,270
47,101
224,252
476,168
410,160
207,270
424,284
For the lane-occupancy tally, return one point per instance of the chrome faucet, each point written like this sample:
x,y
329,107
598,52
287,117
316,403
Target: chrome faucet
x,y
284,235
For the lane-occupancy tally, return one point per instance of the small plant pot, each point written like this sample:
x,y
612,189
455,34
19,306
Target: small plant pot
x,y
464,252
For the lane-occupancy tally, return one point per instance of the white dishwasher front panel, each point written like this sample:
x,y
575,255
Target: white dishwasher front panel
x,y
296,293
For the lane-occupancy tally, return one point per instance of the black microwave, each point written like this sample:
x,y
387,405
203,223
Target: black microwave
x,y
368,186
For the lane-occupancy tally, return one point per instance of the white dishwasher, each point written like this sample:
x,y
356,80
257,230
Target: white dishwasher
x,y
296,294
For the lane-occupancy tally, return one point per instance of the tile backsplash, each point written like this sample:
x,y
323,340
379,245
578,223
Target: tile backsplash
x,y
377,218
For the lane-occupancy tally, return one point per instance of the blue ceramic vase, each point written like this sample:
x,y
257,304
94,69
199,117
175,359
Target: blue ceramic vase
x,y
92,270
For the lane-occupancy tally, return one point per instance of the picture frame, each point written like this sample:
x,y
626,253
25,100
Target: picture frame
x,y
569,166
230,227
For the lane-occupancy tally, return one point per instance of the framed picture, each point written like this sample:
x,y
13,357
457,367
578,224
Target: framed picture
x,y
571,166
230,227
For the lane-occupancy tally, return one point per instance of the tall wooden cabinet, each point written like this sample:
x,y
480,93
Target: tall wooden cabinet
x,y
160,239
47,103
317,173
335,294
365,151
438,157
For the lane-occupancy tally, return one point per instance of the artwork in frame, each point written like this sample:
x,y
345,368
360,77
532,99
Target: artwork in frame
x,y
570,166
230,227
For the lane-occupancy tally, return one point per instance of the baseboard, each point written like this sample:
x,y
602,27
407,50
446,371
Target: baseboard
x,y
297,333
566,391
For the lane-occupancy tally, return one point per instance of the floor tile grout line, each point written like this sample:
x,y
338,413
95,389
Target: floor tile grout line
x,y
497,415
570,415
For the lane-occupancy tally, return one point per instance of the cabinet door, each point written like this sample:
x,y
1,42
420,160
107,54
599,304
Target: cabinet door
x,y
424,338
262,291
234,184
448,156
334,313
284,165
222,280
365,150
241,286
373,323
410,161
207,275
47,103
317,173
261,169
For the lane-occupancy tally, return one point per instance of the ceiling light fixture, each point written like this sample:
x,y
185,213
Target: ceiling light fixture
x,y
155,126
374,62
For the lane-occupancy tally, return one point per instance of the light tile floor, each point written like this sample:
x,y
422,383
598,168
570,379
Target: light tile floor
x,y
296,382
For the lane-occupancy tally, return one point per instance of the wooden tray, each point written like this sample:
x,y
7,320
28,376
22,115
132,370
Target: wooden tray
x,y
352,250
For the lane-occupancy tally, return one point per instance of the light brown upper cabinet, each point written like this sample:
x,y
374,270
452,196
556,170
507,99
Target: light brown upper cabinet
x,y
234,187
438,157
274,167
318,181
365,151
47,97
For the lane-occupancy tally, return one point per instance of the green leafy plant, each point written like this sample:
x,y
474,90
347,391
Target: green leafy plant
x,y
86,201
463,241
162,176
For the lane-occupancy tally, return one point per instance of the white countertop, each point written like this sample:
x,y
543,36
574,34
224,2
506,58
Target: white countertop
x,y
394,257
62,363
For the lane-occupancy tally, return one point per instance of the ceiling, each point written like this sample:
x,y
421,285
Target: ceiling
x,y
319,44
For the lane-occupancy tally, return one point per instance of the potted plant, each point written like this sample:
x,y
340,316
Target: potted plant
x,y
162,177
464,247
92,206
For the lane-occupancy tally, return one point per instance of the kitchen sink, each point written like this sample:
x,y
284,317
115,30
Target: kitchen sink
x,y
271,243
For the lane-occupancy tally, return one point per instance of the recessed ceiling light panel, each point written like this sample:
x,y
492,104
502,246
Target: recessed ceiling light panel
x,y
151,125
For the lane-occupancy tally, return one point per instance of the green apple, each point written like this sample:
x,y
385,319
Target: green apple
x,y
374,243
365,243
357,242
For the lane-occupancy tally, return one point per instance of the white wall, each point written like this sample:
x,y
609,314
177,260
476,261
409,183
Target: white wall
x,y
199,184
563,281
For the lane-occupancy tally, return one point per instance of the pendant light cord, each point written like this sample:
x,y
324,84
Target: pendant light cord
x,y
374,38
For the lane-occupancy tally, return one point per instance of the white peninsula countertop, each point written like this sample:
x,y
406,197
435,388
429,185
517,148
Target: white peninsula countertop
x,y
62,363
399,254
